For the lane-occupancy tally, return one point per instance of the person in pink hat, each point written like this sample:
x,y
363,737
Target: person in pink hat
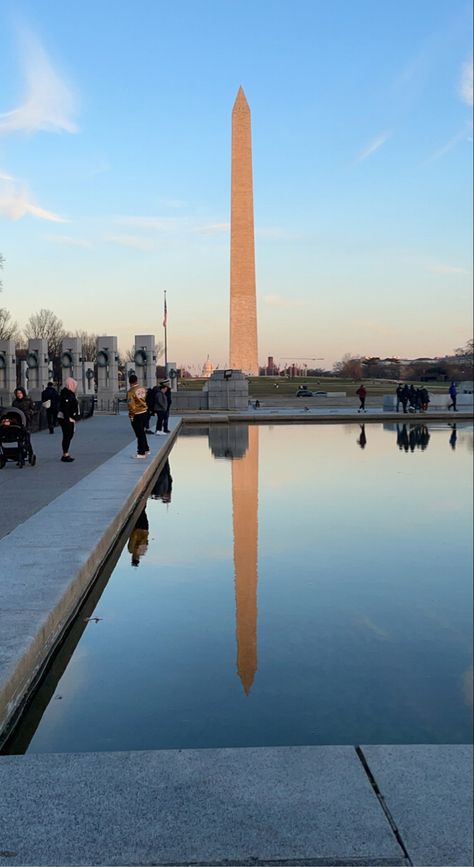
x,y
67,415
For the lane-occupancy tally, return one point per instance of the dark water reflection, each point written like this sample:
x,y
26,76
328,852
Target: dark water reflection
x,y
296,585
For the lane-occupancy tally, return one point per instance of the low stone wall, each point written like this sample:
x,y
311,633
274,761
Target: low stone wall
x,y
190,400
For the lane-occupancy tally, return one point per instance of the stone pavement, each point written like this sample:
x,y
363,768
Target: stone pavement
x,y
23,492
309,806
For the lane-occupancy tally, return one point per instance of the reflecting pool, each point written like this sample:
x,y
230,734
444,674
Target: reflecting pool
x,y
285,584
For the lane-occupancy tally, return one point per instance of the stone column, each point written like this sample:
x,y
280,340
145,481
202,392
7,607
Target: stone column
x,y
145,359
71,361
38,367
7,371
107,373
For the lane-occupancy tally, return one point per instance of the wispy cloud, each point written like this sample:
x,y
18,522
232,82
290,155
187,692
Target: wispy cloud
x,y
447,269
137,242
212,229
48,103
155,224
466,83
373,146
68,241
16,202
449,146
172,203
170,225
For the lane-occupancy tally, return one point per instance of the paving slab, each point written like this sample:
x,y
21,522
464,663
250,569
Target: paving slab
x,y
428,791
192,806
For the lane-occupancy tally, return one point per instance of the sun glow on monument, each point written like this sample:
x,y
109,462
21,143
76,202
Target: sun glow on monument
x,y
243,353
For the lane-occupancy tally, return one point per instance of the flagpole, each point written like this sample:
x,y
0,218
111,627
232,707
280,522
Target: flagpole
x,y
165,326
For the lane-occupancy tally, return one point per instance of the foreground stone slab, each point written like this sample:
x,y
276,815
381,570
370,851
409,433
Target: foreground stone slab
x,y
188,806
428,791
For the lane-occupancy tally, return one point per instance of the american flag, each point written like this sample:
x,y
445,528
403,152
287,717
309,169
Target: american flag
x,y
165,315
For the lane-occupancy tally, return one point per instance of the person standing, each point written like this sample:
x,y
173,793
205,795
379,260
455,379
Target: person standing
x,y
412,398
161,408
137,413
167,384
405,397
399,394
453,393
425,399
150,403
361,394
67,416
49,399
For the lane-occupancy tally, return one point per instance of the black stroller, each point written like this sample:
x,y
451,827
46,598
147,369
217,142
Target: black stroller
x,y
15,443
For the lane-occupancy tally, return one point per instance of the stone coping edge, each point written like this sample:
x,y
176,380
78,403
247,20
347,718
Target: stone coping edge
x,y
279,416
47,628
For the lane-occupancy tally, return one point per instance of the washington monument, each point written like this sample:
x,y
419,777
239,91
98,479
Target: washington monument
x,y
243,353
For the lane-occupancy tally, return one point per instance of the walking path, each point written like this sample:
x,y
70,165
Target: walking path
x,y
309,806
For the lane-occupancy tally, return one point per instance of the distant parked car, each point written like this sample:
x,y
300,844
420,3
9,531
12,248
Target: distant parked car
x,y
320,394
304,392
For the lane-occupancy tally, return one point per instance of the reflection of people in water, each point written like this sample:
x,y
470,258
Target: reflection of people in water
x,y
362,441
163,485
417,438
138,542
402,437
453,437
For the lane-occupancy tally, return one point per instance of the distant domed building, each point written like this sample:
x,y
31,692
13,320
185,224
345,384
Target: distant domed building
x,y
207,368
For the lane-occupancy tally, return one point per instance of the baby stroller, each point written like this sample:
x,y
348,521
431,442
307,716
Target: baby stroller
x,y
15,444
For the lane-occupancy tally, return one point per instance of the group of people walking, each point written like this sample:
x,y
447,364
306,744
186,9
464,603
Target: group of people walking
x,y
412,399
61,408
143,404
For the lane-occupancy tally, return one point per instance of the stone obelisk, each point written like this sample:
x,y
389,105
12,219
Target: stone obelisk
x,y
243,304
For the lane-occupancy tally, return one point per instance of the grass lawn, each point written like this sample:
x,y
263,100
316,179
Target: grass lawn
x,y
265,386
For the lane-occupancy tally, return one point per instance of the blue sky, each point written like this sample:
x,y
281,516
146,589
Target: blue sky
x,y
115,126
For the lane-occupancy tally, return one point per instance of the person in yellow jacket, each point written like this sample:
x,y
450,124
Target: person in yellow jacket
x,y
137,413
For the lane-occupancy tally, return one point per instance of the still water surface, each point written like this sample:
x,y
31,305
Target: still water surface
x,y
286,585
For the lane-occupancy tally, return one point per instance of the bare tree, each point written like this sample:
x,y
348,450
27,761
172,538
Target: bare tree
x,y
89,345
8,326
2,262
46,325
350,367
466,353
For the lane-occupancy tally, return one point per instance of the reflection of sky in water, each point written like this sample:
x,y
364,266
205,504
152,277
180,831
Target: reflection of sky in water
x,y
354,626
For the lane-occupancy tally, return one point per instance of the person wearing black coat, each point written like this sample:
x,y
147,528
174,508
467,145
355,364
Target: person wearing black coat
x,y
67,415
405,397
50,396
167,391
23,402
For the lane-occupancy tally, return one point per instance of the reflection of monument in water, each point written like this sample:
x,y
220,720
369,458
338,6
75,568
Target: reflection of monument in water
x,y
239,443
245,521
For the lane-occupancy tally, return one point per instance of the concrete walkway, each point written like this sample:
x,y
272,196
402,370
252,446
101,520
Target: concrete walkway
x,y
309,806
26,491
